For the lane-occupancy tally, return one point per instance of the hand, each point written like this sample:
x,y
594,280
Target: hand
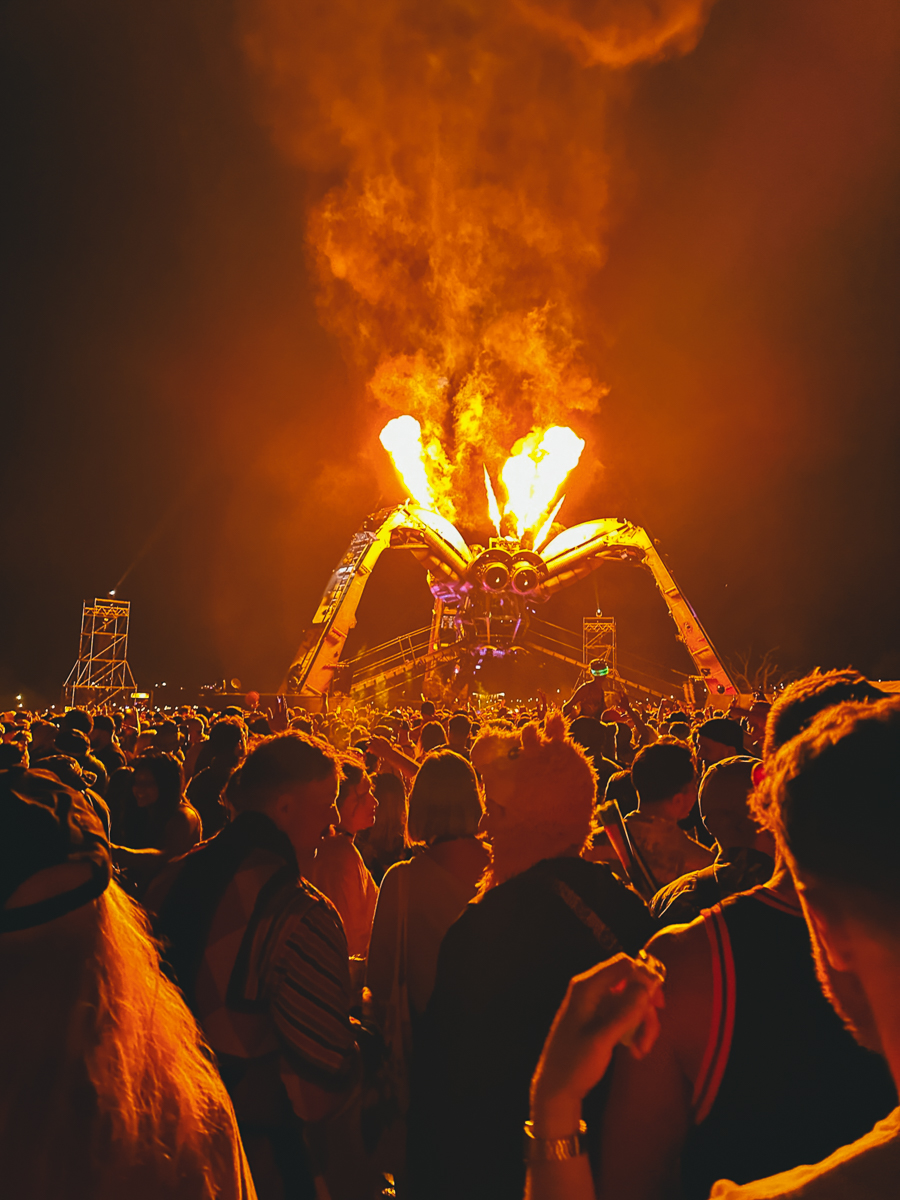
x,y
613,1002
278,720
380,746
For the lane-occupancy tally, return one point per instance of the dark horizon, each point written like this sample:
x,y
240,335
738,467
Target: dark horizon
x,y
173,401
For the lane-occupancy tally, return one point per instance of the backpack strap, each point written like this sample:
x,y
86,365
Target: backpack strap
x,y
586,915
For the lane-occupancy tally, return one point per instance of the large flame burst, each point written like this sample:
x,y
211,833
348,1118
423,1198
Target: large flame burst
x,y
532,476
535,472
402,438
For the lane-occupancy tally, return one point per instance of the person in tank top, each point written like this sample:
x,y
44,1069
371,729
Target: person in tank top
x,y
752,1072
830,797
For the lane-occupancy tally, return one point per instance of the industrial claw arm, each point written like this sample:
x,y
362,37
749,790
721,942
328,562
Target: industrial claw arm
x,y
441,550
576,552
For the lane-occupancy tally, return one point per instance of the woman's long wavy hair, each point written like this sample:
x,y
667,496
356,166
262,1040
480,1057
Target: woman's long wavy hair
x,y
107,1088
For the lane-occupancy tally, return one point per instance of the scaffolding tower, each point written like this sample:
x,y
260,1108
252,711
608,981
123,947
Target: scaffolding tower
x,y
599,641
101,674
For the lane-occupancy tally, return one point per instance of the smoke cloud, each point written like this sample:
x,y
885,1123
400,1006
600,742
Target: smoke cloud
x,y
468,147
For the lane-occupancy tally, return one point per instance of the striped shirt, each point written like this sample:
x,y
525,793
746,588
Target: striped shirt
x,y
274,973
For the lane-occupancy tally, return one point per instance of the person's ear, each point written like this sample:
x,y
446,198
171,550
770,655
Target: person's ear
x,y
686,800
280,806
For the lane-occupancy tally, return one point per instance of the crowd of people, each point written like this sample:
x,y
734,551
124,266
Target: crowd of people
x,y
369,952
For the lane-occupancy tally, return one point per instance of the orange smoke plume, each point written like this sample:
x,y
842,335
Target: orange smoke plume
x,y
454,255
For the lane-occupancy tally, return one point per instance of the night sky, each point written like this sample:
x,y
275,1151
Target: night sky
x,y
171,399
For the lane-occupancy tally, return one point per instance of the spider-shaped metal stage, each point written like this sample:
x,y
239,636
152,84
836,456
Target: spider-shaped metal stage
x,y
484,600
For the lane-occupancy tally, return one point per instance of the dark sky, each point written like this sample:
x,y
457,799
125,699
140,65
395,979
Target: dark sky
x,y
167,386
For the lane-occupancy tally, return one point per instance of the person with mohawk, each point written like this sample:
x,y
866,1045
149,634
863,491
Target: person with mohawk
x,y
543,913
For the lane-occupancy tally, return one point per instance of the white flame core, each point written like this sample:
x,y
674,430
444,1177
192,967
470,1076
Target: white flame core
x,y
535,472
402,438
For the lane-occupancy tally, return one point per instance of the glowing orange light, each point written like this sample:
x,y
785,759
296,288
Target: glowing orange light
x,y
535,472
402,438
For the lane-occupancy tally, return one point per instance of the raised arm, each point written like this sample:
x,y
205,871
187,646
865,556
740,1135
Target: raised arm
x,y
396,758
645,734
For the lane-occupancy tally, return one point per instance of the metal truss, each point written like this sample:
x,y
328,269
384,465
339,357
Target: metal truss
x,y
102,673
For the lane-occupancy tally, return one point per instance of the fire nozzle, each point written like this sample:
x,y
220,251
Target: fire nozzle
x,y
497,569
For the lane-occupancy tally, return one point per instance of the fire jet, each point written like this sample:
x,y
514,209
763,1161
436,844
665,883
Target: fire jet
x,y
485,596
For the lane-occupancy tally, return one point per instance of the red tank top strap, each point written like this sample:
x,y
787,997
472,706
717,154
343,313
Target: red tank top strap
x,y
721,1025
774,900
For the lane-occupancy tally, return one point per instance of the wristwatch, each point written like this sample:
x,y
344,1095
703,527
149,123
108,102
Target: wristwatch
x,y
554,1149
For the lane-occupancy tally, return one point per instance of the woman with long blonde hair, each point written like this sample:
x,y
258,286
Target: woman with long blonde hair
x,y
107,1088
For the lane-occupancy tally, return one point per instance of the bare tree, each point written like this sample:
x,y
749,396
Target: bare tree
x,y
753,672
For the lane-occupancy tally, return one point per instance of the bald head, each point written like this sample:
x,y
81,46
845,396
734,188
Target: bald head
x,y
723,802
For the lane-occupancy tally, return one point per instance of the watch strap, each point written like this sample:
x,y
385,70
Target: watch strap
x,y
554,1149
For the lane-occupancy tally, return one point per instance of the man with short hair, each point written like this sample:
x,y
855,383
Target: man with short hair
x,y
43,739
261,956
801,702
194,727
77,718
746,855
427,713
104,743
167,739
832,797
458,729
74,743
226,747
718,739
752,1071
543,914
665,779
